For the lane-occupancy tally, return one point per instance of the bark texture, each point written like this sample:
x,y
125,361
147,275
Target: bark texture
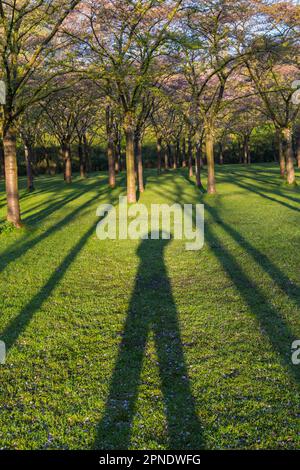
x,y
130,160
11,177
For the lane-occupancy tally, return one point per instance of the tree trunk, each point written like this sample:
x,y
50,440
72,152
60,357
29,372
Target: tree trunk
x,y
177,154
159,150
246,150
120,159
111,163
130,160
82,162
184,162
201,158
166,159
240,152
198,165
66,154
118,150
190,158
117,164
289,156
298,150
48,169
221,154
28,160
170,156
175,164
11,177
211,180
86,156
276,144
2,160
110,147
116,158
140,168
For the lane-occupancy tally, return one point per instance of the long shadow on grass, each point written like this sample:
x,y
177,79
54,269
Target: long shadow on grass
x,y
253,175
258,191
18,325
282,280
279,277
51,207
48,185
13,254
152,307
255,190
270,319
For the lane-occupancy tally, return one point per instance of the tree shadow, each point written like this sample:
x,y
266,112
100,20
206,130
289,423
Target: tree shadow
x,y
255,190
202,190
50,184
152,308
275,190
18,324
272,323
252,174
69,194
56,205
15,253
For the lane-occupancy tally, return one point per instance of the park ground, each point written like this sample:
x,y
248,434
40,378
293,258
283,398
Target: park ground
x,y
143,345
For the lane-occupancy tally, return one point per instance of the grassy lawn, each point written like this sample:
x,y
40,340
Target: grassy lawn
x,y
142,344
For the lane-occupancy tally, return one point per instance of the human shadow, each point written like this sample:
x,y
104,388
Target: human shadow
x,y
152,308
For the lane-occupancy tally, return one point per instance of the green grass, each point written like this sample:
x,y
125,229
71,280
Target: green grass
x,y
123,344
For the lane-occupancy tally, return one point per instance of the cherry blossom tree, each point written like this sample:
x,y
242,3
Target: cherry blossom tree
x,y
28,36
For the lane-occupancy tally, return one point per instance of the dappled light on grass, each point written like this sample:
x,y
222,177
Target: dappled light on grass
x,y
210,353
